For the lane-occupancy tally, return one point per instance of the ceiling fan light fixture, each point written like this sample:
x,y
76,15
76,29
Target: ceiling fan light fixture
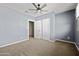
x,y
38,9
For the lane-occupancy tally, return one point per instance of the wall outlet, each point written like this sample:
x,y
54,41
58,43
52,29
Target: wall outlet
x,y
68,37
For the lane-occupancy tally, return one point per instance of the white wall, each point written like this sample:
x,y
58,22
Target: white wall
x,y
13,26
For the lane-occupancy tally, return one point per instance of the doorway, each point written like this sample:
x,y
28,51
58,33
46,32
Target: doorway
x,y
31,29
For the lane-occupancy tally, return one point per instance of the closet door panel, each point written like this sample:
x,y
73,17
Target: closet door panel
x,y
46,29
38,31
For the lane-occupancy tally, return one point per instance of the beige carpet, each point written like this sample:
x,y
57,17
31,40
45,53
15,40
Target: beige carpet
x,y
34,47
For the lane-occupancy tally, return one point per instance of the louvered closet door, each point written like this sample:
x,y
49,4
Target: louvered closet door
x,y
46,29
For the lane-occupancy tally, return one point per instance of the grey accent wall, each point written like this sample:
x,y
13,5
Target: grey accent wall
x,y
64,25
13,25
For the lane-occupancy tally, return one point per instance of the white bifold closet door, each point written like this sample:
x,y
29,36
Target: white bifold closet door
x,y
46,29
42,29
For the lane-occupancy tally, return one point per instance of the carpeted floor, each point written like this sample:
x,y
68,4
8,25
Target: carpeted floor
x,y
36,47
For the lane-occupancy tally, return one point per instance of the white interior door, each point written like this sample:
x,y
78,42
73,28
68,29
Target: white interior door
x,y
38,29
46,28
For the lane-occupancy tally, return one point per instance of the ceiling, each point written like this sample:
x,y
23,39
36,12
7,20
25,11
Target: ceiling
x,y
51,7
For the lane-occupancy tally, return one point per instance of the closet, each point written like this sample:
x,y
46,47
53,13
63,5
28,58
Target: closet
x,y
42,29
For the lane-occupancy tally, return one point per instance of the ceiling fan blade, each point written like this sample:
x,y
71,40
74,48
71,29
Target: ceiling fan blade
x,y
26,11
43,6
41,12
36,12
35,5
32,9
44,10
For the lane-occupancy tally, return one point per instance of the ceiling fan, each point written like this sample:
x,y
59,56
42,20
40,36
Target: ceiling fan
x,y
38,8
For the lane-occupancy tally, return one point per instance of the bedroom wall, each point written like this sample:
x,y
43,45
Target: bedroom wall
x,y
61,25
13,25
64,25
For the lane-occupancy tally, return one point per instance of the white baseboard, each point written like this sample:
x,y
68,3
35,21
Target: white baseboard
x,y
12,43
46,39
65,41
51,40
69,42
76,46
